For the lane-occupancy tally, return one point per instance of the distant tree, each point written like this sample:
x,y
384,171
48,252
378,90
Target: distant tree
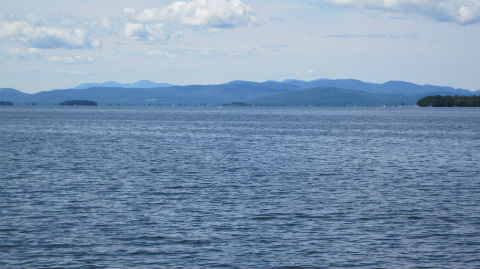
x,y
6,103
78,103
237,104
449,101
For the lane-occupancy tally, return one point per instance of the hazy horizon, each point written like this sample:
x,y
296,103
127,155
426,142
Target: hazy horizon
x,y
218,83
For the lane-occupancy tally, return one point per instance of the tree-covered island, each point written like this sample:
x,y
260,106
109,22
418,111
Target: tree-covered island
x,y
78,103
449,101
238,104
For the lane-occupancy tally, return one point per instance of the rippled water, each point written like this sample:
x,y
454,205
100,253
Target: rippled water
x,y
129,187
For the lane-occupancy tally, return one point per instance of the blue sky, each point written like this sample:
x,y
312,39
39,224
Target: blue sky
x,y
60,44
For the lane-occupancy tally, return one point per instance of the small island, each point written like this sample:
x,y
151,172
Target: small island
x,y
78,103
238,104
449,101
6,103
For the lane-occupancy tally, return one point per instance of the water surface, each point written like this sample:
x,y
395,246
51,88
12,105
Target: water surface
x,y
156,187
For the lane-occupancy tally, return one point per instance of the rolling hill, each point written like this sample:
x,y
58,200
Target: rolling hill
x,y
12,95
114,84
188,95
289,92
330,96
390,87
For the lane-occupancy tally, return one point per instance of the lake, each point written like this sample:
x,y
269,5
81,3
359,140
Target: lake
x,y
162,187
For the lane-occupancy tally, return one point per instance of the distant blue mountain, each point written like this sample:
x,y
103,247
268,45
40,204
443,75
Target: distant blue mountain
x,y
113,84
12,95
390,87
189,95
330,96
288,92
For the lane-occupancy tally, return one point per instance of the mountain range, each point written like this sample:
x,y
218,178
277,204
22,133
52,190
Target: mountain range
x,y
113,84
321,92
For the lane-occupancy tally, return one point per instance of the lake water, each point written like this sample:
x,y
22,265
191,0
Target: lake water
x,y
157,187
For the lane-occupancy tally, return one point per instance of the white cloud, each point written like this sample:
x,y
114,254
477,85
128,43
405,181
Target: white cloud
x,y
46,37
73,72
24,54
406,35
309,71
208,13
162,53
152,24
198,13
71,59
154,31
137,31
458,11
167,22
274,47
34,54
129,11
174,53
240,53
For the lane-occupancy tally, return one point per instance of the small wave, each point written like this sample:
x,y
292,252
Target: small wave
x,y
8,230
7,246
263,218
446,219
147,253
152,237
142,237
173,187
292,267
59,245
193,242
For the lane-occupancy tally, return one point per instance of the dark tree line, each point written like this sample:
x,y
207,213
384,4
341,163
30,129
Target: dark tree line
x,y
449,101
78,103
6,103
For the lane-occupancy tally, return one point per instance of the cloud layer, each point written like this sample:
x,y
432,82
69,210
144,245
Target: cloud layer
x,y
71,59
458,11
145,25
46,36
211,13
407,35
167,22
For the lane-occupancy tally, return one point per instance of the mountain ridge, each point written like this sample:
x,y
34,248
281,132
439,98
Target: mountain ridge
x,y
332,96
389,87
114,84
395,92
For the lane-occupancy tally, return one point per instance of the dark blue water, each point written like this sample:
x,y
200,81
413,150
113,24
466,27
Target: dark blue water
x,y
239,187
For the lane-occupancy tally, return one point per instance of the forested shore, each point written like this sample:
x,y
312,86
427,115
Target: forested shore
x,y
449,101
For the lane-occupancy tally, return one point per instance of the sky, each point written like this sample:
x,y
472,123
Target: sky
x,y
55,44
